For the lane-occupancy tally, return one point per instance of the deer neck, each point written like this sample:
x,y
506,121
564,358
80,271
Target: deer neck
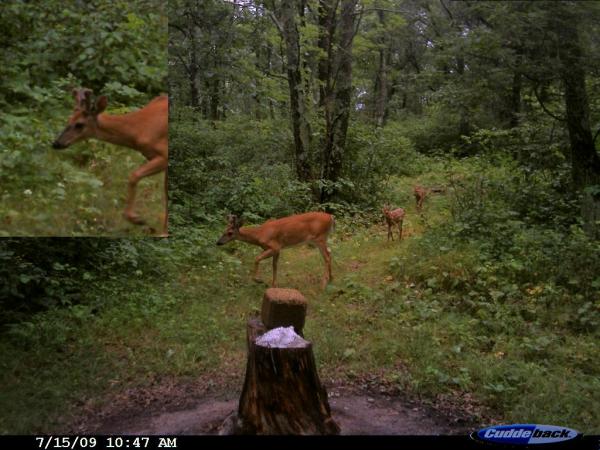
x,y
116,129
251,235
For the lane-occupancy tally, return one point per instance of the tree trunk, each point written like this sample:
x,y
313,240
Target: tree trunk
x,y
464,125
300,125
584,157
194,95
337,109
270,68
381,79
193,74
326,32
282,392
205,100
214,98
515,97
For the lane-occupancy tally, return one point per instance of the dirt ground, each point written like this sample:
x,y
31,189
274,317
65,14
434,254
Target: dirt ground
x,y
177,409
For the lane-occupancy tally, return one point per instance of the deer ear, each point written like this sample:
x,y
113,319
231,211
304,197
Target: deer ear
x,y
101,103
240,222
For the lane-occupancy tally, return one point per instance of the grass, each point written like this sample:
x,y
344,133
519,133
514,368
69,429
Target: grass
x,y
384,312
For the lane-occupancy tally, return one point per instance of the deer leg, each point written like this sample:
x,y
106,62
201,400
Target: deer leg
x,y
275,259
266,254
400,228
152,167
327,258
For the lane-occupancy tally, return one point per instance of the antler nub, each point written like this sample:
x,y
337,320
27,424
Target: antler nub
x,y
83,98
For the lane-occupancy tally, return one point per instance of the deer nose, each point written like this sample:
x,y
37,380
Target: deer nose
x,y
57,145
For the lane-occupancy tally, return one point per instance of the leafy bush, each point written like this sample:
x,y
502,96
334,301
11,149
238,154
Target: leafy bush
x,y
98,42
235,167
498,257
373,155
434,132
41,274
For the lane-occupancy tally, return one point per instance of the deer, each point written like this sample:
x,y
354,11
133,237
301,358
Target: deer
x,y
277,234
420,194
393,217
144,130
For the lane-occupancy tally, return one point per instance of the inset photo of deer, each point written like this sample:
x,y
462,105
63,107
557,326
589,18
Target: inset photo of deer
x,y
144,130
393,217
277,234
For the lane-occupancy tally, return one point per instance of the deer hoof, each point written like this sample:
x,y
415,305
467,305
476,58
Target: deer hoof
x,y
134,218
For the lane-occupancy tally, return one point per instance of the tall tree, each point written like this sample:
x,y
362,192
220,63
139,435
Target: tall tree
x,y
585,162
300,125
338,99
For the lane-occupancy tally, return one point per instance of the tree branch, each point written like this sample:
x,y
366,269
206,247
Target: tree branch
x,y
537,96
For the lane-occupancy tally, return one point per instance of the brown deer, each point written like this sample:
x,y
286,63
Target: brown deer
x,y
420,194
393,217
145,130
275,235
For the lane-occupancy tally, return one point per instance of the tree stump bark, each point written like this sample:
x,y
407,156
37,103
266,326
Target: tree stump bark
x,y
282,393
283,308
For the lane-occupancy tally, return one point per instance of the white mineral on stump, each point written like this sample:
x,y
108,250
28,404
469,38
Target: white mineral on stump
x,y
281,337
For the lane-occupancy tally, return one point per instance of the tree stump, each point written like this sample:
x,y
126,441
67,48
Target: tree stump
x,y
282,308
282,393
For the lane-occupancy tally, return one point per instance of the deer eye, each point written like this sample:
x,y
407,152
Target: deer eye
x,y
78,126
229,233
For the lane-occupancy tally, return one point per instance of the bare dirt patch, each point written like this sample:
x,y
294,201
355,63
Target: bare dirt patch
x,y
172,408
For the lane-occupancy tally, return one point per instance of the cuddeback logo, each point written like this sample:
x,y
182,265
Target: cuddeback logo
x,y
525,434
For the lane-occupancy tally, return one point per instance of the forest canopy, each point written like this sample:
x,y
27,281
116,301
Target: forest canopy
x,y
346,78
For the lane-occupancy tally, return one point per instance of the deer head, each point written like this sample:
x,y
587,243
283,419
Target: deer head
x,y
232,231
82,123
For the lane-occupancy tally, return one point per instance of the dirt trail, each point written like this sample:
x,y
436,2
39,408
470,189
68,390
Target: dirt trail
x,y
355,412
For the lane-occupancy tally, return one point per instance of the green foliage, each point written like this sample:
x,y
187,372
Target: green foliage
x,y
236,166
437,314
433,132
96,42
497,251
374,155
40,274
506,304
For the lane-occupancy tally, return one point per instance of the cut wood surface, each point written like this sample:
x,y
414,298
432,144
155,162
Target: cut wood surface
x,y
282,308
